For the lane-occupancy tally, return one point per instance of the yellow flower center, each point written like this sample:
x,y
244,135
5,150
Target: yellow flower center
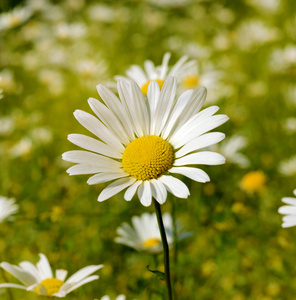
x,y
144,87
52,285
190,81
253,181
147,157
151,243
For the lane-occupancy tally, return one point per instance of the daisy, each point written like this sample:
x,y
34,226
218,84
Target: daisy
x,y
7,208
14,18
119,297
39,278
159,73
144,233
289,211
144,142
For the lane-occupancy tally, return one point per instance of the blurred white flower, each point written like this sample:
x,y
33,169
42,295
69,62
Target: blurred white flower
x,y
284,58
91,68
288,167
157,73
38,5
7,207
144,233
265,6
73,31
41,135
289,211
230,149
40,279
290,125
255,33
53,80
119,297
14,18
101,13
6,125
170,3
23,147
7,82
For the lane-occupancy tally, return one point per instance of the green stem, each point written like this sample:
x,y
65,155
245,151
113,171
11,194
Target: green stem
x,y
165,249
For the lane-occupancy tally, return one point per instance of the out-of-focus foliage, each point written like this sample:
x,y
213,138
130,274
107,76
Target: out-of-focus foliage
x,y
52,56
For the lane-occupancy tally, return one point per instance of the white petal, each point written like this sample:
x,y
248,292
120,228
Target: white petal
x,y
94,145
104,177
200,158
23,276
85,157
117,107
130,192
83,273
202,141
175,186
115,188
137,75
191,107
174,118
30,268
44,267
152,97
61,274
287,210
96,127
90,169
192,173
164,105
12,285
289,200
109,119
144,193
164,65
150,69
192,130
66,289
159,191
139,101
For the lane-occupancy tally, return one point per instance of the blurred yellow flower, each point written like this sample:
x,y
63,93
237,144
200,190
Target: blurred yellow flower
x,y
253,181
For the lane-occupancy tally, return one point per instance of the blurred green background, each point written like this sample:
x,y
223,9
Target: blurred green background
x,y
51,59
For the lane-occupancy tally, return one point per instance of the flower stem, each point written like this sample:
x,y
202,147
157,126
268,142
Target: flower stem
x,y
165,249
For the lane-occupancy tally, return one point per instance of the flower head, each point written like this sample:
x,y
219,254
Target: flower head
x,y
39,278
7,208
142,142
119,297
160,73
144,234
289,211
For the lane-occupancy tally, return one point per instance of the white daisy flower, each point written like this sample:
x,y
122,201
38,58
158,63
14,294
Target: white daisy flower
x,y
289,211
119,297
14,18
144,234
230,149
7,208
39,278
157,73
143,142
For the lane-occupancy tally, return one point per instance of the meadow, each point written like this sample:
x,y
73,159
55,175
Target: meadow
x,y
54,53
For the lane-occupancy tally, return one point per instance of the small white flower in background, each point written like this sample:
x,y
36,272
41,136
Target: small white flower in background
x,y
253,33
14,18
288,167
282,59
157,73
40,279
290,125
144,234
7,82
143,143
230,149
21,148
119,297
289,211
7,208
73,31
6,125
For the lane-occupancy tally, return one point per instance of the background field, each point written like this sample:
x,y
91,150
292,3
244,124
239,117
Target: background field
x,y
51,64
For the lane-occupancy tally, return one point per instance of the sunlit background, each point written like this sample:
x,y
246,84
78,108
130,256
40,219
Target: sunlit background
x,y
52,56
